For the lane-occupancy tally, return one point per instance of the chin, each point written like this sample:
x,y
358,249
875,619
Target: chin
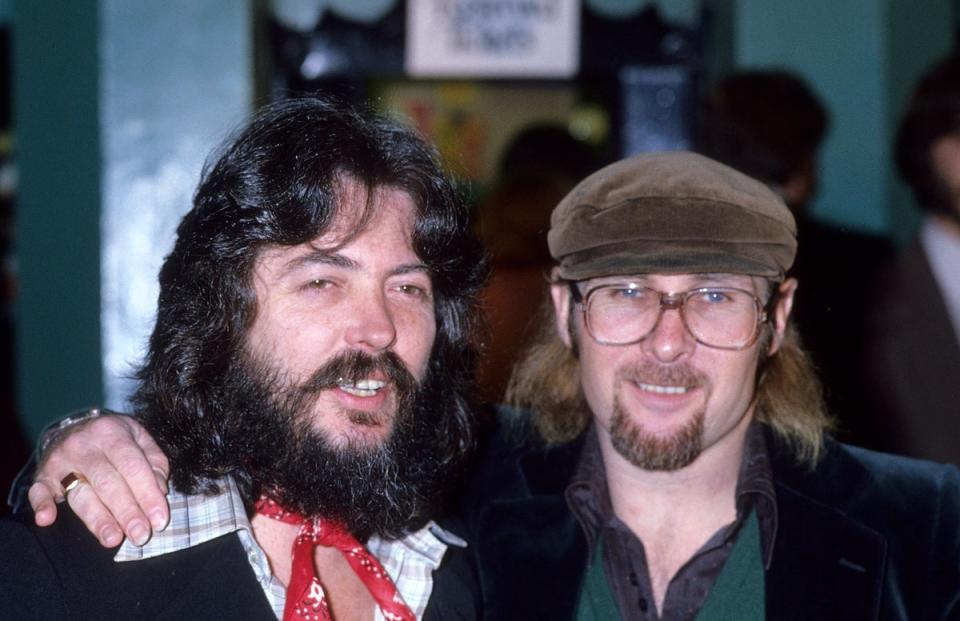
x,y
353,430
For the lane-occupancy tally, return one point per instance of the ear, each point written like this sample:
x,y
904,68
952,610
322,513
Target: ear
x,y
560,293
781,312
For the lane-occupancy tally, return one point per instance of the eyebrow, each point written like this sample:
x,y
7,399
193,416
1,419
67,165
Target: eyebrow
x,y
333,259
321,257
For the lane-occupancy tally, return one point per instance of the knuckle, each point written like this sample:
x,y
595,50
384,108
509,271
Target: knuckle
x,y
131,465
161,464
38,494
105,483
104,424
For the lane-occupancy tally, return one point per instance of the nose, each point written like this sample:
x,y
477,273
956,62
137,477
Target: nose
x,y
669,339
371,326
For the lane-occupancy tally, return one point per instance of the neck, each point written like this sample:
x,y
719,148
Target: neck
x,y
640,495
675,513
947,223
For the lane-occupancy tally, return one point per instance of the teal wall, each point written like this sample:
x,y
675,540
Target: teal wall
x,y
862,57
56,112
915,40
117,104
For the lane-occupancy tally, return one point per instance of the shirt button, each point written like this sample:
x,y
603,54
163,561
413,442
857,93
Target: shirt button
x,y
633,578
642,604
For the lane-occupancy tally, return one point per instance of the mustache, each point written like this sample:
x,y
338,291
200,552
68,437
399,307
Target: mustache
x,y
352,366
649,372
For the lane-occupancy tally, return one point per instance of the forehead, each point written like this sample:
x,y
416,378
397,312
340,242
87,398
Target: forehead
x,y
370,226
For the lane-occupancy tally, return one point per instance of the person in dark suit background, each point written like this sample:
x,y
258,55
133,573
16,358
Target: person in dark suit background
x,y
914,356
770,124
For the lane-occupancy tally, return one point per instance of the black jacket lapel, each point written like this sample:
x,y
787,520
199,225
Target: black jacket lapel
x,y
531,550
826,564
223,584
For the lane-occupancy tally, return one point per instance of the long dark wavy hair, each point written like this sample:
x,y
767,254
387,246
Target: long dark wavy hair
x,y
277,182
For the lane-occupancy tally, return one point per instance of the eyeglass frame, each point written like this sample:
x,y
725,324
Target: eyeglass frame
x,y
676,301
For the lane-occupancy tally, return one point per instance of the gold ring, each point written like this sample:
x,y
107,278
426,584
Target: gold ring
x,y
71,481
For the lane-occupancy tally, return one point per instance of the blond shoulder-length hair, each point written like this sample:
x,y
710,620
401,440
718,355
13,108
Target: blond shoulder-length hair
x,y
789,397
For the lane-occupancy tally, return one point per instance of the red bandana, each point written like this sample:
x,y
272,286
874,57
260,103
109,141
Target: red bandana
x,y
305,597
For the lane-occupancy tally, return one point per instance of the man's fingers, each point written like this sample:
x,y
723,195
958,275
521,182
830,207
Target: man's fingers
x,y
43,498
95,515
125,475
109,483
152,498
142,496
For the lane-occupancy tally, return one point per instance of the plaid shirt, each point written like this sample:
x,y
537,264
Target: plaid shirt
x,y
195,519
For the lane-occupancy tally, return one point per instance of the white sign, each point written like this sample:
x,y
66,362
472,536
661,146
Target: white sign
x,y
493,38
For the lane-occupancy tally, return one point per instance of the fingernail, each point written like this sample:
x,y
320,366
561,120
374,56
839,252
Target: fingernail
x,y
138,533
110,536
157,519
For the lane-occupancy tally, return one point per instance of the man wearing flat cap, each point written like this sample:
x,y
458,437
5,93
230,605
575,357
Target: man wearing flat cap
x,y
684,471
681,468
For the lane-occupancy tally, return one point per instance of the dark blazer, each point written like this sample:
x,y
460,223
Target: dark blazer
x,y
863,536
914,362
836,267
61,572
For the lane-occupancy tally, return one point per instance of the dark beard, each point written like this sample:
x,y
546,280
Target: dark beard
x,y
387,488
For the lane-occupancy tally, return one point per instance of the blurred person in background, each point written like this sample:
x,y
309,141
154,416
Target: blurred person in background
x,y
538,167
771,125
914,361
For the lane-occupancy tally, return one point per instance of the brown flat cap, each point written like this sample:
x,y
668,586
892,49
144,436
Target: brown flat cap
x,y
671,213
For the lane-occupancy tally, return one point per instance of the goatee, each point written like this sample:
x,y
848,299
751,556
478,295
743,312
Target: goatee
x,y
648,450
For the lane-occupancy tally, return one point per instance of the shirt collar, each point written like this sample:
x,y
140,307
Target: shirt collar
x,y
588,497
943,253
194,519
197,518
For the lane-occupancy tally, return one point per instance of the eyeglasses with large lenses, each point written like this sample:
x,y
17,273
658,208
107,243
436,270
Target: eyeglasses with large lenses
x,y
623,314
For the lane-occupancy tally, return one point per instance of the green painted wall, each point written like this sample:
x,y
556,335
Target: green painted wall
x,y
58,201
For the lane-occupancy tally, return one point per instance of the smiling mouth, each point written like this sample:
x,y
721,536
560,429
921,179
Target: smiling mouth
x,y
663,390
361,388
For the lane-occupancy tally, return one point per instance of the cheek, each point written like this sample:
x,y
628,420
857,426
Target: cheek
x,y
292,341
597,377
733,388
416,333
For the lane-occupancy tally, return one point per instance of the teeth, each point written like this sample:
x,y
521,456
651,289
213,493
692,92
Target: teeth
x,y
362,388
664,390
370,384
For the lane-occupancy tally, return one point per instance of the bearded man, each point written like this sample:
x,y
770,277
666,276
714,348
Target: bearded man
x,y
307,378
